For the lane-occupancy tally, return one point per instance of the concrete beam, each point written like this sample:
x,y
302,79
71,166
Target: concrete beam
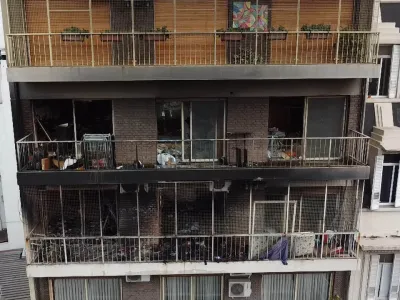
x,y
123,269
121,73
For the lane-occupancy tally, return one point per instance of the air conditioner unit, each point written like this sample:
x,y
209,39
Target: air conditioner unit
x,y
137,278
239,288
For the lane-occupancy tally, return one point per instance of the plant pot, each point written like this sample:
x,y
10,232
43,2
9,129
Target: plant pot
x,y
72,37
156,37
277,36
317,36
106,38
231,36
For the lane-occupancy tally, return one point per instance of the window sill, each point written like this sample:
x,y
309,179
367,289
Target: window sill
x,y
385,208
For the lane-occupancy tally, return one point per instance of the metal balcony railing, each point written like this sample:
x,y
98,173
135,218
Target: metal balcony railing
x,y
217,248
190,49
206,154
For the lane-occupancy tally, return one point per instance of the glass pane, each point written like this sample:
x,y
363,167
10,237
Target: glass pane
x,y
395,177
385,280
385,76
169,123
278,286
313,286
386,184
208,288
373,87
204,121
177,288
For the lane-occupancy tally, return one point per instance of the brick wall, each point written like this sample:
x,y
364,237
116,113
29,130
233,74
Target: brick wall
x,y
26,111
135,120
250,116
354,115
141,290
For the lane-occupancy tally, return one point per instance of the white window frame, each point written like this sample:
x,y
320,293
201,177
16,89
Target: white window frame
x,y
192,286
186,159
380,58
392,183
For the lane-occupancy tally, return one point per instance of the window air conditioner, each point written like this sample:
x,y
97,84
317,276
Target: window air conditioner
x,y
137,278
239,288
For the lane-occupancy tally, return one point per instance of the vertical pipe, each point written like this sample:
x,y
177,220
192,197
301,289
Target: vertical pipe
x,y
34,123
359,215
212,222
256,43
338,32
81,210
297,31
215,32
62,225
75,133
251,229
91,30
133,32
287,209
323,219
101,226
49,31
138,223
176,220
175,36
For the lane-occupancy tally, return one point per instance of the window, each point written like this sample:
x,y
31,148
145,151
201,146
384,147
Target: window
x,y
384,276
389,183
198,123
192,287
87,289
312,286
380,86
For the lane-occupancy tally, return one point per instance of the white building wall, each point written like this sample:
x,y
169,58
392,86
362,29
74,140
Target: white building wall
x,y
8,165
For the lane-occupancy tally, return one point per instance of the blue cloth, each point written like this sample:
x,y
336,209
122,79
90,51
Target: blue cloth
x,y
279,251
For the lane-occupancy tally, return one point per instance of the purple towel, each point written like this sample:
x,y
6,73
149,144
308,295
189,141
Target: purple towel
x,y
278,251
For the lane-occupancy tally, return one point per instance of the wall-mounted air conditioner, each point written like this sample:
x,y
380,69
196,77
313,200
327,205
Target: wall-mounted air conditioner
x,y
239,288
137,278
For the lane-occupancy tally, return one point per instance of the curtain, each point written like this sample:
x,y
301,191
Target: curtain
x,y
278,286
177,288
313,286
208,288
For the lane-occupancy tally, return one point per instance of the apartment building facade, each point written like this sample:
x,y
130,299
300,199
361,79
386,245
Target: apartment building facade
x,y
191,149
378,274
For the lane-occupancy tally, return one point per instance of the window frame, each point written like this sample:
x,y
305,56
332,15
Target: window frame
x,y
393,184
163,283
380,59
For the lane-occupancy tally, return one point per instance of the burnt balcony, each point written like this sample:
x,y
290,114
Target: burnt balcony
x,y
152,160
191,222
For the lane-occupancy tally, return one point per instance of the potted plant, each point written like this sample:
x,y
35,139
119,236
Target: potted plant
x,y
74,34
323,31
247,56
352,47
280,33
107,37
230,34
157,35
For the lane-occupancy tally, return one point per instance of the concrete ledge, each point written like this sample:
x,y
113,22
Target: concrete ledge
x,y
31,178
243,72
123,269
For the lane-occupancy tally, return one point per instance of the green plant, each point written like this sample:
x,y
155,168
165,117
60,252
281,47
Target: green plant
x,y
76,30
163,29
230,29
316,27
353,47
280,28
247,56
335,297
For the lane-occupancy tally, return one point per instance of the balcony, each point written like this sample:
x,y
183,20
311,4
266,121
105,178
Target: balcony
x,y
191,222
188,35
152,160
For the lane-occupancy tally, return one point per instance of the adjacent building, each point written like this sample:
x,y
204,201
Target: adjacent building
x,y
183,149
